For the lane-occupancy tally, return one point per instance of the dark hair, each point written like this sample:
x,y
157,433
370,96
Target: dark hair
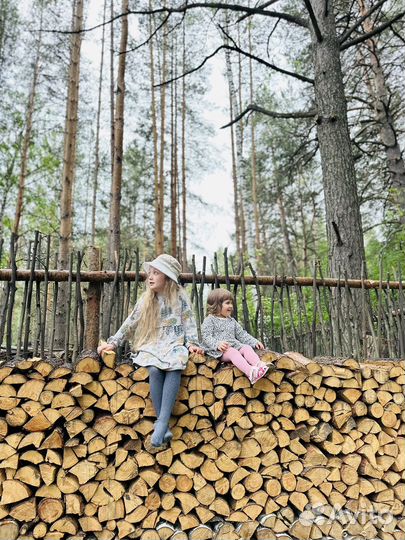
x,y
215,299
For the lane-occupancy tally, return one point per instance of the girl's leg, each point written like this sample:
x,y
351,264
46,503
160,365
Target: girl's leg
x,y
248,352
234,356
171,387
254,360
156,380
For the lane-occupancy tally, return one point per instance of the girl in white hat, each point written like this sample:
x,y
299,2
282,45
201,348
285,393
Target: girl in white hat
x,y
163,332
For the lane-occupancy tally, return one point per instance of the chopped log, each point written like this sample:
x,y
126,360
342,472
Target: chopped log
x,y
14,491
24,511
50,510
9,529
88,364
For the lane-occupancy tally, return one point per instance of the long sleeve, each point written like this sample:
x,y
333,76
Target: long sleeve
x,y
208,334
189,324
127,327
243,336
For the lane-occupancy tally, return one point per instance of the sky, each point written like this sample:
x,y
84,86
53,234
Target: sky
x,y
211,226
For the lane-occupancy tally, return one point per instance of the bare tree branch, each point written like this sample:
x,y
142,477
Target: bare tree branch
x,y
186,6
237,49
156,30
273,114
398,35
360,21
262,6
313,20
374,32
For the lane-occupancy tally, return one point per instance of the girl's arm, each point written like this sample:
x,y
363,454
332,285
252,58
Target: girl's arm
x,y
127,326
208,334
244,337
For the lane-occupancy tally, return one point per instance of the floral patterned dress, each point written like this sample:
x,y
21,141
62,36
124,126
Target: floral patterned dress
x,y
176,332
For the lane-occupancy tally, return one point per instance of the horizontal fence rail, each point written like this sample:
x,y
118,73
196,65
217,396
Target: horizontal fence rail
x,y
316,315
105,276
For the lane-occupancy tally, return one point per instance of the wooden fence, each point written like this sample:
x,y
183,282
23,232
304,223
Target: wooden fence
x,y
316,316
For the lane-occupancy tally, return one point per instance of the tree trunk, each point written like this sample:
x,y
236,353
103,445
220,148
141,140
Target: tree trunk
x,y
237,209
115,209
161,186
8,17
97,143
183,158
304,231
8,183
238,104
112,86
343,219
93,302
69,167
28,131
291,265
253,158
174,166
154,129
381,96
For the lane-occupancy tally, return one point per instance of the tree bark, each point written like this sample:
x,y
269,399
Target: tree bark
x,y
291,265
154,129
97,142
93,302
9,184
237,209
174,164
380,94
253,159
115,209
238,104
343,219
112,86
28,131
183,159
69,167
161,186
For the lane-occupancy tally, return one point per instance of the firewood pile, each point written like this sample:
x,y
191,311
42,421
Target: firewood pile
x,y
313,450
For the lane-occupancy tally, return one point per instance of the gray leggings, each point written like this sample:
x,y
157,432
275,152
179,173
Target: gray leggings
x,y
164,387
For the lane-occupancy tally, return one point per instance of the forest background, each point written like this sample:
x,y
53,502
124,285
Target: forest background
x,y
95,150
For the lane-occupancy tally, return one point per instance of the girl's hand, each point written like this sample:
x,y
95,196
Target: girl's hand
x,y
223,346
105,347
260,345
195,349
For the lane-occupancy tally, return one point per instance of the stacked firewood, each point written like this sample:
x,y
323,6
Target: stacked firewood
x,y
311,450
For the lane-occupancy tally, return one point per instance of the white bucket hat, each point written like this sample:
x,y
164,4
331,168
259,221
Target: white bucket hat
x,y
167,264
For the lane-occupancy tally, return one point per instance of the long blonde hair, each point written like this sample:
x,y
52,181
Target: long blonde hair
x,y
147,327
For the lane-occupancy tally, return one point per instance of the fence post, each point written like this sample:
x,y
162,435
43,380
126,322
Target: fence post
x,y
92,332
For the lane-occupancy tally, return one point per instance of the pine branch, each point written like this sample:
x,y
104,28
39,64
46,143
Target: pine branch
x,y
262,6
360,21
273,114
313,20
240,51
186,6
374,32
153,34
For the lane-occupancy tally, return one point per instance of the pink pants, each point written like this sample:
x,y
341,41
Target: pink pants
x,y
243,359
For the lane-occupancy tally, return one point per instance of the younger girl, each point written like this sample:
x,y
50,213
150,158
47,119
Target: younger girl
x,y
224,338
162,331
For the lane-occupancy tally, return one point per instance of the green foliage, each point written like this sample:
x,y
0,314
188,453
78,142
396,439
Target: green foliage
x,y
387,254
